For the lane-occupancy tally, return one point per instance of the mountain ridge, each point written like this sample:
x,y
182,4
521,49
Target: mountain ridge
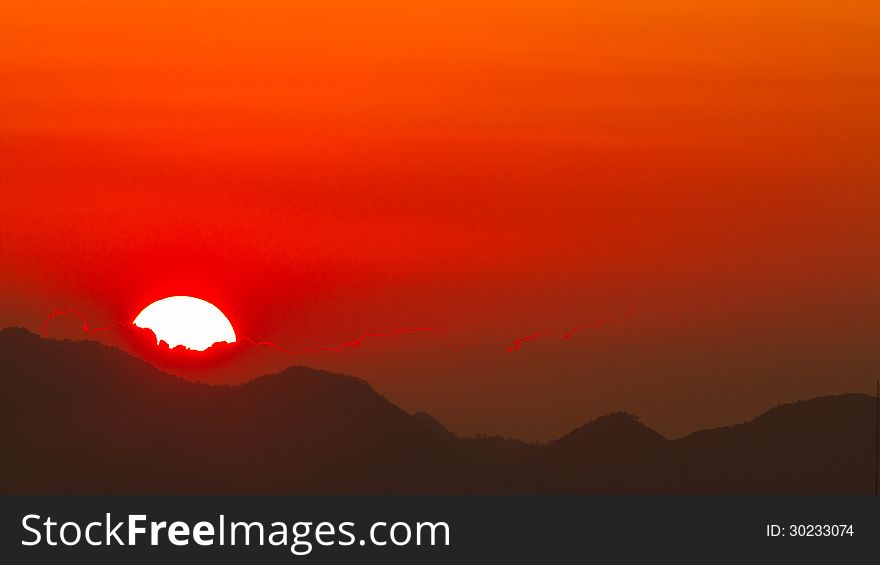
x,y
88,418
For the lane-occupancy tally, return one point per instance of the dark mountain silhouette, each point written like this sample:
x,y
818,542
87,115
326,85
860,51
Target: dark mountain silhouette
x,y
79,417
613,453
820,446
487,453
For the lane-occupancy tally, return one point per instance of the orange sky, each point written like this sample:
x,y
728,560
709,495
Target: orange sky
x,y
326,169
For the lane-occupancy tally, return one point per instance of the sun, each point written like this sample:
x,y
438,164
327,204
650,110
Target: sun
x,y
183,320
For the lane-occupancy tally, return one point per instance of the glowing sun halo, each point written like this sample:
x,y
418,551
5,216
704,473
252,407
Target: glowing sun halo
x,y
187,321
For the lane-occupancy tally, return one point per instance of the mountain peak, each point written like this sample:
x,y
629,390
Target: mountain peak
x,y
17,332
615,428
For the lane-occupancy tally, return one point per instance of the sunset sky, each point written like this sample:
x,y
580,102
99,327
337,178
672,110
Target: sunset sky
x,y
704,177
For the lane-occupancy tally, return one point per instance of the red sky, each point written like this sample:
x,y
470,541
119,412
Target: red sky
x,y
323,170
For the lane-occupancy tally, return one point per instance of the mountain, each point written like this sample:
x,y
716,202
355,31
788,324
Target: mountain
x,y
486,453
819,446
79,417
611,454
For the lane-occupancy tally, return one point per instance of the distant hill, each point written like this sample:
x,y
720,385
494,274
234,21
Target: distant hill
x,y
486,453
79,417
819,446
613,453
